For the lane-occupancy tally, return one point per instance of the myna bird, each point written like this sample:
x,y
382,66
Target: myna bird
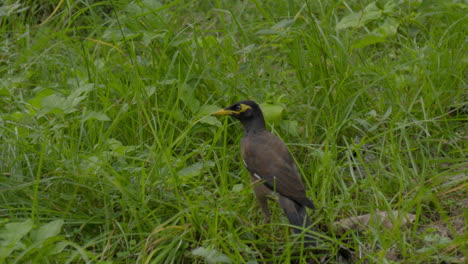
x,y
271,166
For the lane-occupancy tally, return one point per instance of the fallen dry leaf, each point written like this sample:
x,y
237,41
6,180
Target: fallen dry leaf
x,y
384,218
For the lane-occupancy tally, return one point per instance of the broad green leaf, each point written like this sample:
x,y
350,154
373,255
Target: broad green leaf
x,y
247,49
367,40
372,113
211,255
56,104
291,127
387,113
116,146
9,9
48,230
267,31
58,247
99,63
168,82
186,94
208,109
205,112
91,164
36,101
105,262
96,115
210,120
149,36
272,112
207,42
192,170
238,187
176,114
209,163
363,123
284,24
80,93
15,116
15,231
150,90
120,34
370,13
389,7
140,8
277,28
388,28
11,235
4,92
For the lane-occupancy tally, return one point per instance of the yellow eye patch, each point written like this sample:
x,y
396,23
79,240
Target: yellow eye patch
x,y
243,108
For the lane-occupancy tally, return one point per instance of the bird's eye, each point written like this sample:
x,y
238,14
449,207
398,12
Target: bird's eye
x,y
238,107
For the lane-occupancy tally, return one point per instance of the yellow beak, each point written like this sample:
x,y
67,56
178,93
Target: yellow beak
x,y
223,112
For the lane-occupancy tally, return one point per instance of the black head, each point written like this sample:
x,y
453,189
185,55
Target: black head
x,y
248,112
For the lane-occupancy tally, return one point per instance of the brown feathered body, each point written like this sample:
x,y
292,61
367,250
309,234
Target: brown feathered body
x,y
272,169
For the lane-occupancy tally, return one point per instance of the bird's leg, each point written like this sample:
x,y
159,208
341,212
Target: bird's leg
x,y
262,194
263,202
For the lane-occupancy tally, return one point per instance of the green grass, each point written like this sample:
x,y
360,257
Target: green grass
x,y
107,154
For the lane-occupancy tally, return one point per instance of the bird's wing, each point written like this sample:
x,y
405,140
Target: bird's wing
x,y
267,158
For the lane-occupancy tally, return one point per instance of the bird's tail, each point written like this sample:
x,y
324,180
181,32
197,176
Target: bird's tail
x,y
297,216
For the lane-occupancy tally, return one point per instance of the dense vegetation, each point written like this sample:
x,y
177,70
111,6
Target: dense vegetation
x,y
108,154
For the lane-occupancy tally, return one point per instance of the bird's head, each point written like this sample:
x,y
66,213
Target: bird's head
x,y
241,110
248,112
